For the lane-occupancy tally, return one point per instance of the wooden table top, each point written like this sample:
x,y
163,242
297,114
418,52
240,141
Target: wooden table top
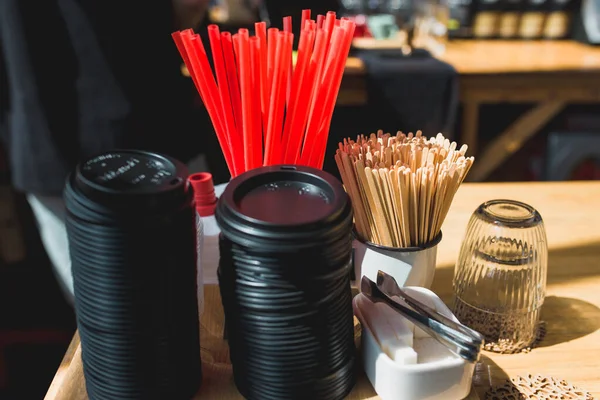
x,y
570,350
508,57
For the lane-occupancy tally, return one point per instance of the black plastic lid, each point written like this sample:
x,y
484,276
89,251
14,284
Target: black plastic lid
x,y
130,180
283,204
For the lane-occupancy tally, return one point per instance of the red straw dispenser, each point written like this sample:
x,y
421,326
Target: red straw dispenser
x,y
204,193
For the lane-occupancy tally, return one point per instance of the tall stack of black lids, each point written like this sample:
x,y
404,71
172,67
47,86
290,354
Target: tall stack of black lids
x,y
132,238
286,242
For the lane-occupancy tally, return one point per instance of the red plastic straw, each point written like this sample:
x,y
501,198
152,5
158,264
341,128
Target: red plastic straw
x,y
286,66
316,101
330,96
312,135
325,111
271,145
197,55
227,110
329,25
257,137
317,98
236,47
335,46
261,33
287,24
333,90
186,59
305,17
297,76
195,49
319,57
287,27
338,65
320,20
302,112
199,61
319,111
244,32
234,85
272,35
293,131
246,89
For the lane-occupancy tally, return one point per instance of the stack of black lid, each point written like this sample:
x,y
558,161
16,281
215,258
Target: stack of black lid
x,y
132,238
284,277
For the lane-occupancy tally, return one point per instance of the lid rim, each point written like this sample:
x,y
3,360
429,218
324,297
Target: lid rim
x,y
227,201
93,200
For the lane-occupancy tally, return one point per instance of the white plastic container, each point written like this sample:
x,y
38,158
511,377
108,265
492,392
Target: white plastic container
x,y
210,258
438,374
205,198
199,264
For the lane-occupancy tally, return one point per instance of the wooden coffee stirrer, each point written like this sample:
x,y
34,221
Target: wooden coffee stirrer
x,y
401,186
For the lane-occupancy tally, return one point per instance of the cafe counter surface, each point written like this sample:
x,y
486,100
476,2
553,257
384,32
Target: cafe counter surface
x,y
570,349
546,74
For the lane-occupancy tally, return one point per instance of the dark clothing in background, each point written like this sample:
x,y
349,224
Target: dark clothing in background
x,y
410,93
80,77
404,93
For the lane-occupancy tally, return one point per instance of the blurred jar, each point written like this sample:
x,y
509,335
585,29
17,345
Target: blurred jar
x,y
558,21
500,276
431,25
486,19
508,26
532,21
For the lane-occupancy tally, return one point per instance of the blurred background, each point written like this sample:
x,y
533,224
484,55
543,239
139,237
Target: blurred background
x,y
516,80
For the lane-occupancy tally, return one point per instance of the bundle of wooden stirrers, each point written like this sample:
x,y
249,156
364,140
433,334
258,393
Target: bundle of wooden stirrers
x,y
266,109
401,186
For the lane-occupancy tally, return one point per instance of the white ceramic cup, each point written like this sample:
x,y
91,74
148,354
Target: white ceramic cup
x,y
411,266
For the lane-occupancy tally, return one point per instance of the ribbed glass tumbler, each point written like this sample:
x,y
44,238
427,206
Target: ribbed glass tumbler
x,y
500,276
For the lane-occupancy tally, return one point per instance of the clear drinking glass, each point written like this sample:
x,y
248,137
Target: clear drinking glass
x,y
500,276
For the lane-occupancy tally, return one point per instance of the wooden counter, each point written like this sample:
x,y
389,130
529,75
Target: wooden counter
x,y
570,350
547,74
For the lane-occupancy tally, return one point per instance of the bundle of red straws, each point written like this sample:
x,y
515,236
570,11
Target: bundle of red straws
x,y
265,109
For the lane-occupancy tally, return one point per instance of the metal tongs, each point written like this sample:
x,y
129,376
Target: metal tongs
x,y
459,339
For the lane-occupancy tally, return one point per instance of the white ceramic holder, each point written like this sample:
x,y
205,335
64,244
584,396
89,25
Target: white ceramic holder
x,y
412,266
437,375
